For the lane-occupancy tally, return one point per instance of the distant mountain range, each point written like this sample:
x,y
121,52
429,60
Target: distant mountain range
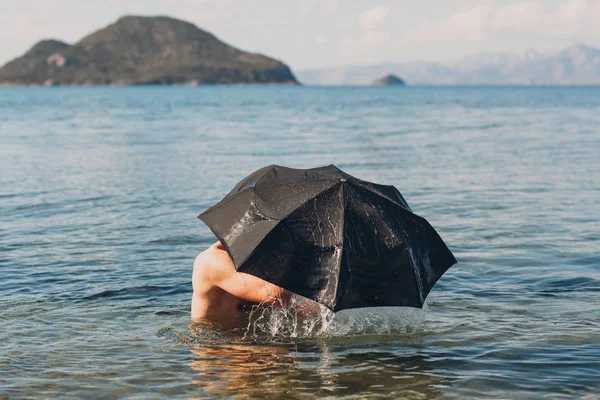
x,y
143,50
575,65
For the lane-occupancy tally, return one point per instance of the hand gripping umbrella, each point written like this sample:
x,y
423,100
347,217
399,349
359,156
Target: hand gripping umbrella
x,y
330,237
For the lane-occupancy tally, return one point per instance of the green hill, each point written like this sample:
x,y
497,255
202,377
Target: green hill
x,y
143,50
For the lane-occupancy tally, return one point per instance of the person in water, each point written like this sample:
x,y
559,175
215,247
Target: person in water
x,y
224,297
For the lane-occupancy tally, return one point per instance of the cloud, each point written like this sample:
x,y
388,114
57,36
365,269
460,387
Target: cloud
x,y
572,19
326,6
373,38
369,20
206,14
330,5
373,16
322,39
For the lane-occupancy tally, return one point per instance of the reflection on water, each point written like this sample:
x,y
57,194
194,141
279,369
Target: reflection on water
x,y
309,369
354,351
240,369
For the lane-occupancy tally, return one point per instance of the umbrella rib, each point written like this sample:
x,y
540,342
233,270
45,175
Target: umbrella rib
x,y
343,223
278,222
366,187
273,166
225,201
317,223
304,203
418,278
235,195
417,273
393,202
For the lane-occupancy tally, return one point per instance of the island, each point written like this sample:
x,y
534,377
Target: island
x,y
143,50
389,80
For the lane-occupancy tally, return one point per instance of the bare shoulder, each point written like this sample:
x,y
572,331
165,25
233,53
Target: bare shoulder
x,y
213,263
214,268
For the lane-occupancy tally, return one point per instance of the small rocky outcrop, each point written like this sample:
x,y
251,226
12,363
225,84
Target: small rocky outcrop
x,y
389,80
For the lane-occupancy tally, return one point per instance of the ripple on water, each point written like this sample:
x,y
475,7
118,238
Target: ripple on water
x,y
99,193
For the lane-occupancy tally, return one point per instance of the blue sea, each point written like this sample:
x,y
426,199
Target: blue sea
x,y
99,193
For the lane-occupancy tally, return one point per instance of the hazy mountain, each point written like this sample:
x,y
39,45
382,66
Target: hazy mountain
x,y
142,50
576,65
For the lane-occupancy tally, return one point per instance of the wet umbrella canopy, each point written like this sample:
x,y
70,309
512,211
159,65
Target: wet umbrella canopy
x,y
330,237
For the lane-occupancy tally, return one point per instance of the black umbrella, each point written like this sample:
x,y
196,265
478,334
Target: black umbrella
x,y
330,237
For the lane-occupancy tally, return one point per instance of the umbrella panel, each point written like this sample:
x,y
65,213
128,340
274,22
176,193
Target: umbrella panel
x,y
303,252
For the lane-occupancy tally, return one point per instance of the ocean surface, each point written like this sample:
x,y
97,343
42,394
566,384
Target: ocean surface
x,y
99,193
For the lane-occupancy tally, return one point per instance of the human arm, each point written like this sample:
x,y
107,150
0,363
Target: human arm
x,y
252,288
214,268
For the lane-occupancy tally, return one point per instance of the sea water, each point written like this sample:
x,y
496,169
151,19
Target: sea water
x,y
99,193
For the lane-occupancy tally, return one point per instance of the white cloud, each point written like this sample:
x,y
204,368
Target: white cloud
x,y
322,39
370,36
326,6
330,5
374,38
572,19
373,16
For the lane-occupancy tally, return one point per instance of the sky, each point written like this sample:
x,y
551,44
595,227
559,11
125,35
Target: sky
x,y
324,33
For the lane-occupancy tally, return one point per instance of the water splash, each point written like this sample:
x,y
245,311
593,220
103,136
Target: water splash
x,y
267,324
275,323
